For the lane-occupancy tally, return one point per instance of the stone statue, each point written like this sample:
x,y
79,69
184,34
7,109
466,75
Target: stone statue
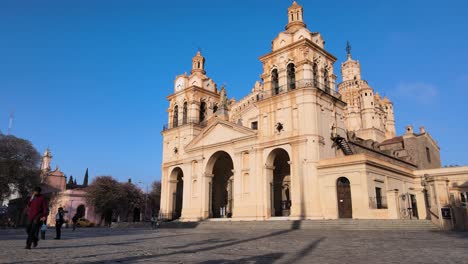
x,y
223,101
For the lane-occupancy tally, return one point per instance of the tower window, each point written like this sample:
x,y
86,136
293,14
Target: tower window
x,y
184,117
274,81
215,108
315,71
202,111
198,65
325,78
292,17
175,117
291,76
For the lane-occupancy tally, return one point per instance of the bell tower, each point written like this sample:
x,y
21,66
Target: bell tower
x,y
295,17
198,64
350,69
46,158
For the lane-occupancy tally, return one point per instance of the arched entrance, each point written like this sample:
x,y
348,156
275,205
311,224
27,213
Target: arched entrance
x,y
280,183
221,186
177,182
81,211
343,191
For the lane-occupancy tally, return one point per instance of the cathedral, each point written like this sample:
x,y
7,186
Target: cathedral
x,y
300,145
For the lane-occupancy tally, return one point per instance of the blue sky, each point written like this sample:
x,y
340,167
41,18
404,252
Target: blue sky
x,y
90,78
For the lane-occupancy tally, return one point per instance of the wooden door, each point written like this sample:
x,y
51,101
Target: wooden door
x,y
343,190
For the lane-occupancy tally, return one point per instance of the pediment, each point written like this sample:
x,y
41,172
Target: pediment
x,y
218,133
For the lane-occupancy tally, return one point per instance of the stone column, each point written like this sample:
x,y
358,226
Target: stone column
x,y
268,197
205,194
421,202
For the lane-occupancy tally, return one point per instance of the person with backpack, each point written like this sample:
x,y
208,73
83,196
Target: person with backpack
x,y
36,212
58,223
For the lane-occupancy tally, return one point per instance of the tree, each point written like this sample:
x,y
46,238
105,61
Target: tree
x,y
85,180
105,194
19,166
70,180
133,198
154,197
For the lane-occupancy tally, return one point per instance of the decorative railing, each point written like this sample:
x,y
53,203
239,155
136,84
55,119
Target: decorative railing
x,y
304,83
378,202
185,122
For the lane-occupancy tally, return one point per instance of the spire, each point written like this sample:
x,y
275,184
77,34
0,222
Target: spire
x,y
198,63
350,69
348,50
85,180
295,20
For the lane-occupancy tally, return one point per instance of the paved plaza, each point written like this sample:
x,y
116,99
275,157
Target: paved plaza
x,y
102,245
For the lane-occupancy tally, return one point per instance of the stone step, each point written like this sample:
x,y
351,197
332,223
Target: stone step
x,y
352,224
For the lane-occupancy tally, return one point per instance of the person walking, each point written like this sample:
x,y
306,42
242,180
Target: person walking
x,y
36,212
153,222
58,223
74,220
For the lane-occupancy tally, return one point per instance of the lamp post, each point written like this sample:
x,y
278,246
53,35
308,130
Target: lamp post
x,y
70,211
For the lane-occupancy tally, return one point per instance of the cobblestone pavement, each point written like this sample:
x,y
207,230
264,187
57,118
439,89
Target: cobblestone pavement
x,y
101,245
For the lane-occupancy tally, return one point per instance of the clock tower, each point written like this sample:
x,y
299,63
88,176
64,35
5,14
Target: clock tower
x,y
194,101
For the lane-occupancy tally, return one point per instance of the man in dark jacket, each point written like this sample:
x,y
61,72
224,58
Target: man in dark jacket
x,y
37,212
58,223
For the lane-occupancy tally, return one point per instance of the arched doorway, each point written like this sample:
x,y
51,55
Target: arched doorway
x,y
221,186
177,180
280,184
343,191
81,211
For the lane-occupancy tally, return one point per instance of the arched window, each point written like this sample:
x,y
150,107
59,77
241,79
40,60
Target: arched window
x,y
315,72
215,108
325,78
175,116
184,117
291,76
198,65
202,111
274,81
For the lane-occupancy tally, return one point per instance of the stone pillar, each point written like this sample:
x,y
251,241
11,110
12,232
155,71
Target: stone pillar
x,y
421,202
393,204
205,193
194,112
268,201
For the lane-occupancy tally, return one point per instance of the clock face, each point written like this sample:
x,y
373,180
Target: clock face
x,y
179,84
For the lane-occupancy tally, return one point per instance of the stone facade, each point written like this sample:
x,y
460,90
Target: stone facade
x,y
294,147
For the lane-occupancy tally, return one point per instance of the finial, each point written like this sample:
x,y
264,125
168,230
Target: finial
x,y
348,49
